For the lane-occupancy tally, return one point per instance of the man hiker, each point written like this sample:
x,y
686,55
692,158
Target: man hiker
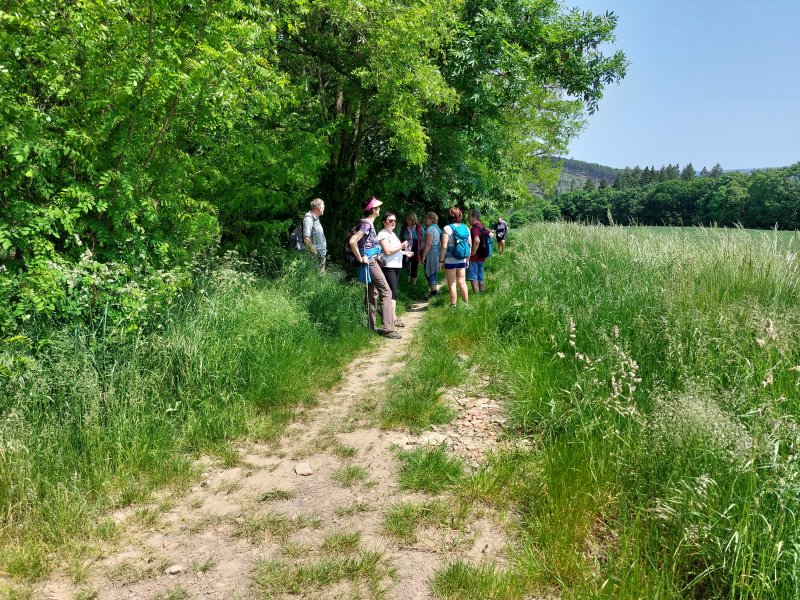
x,y
475,273
501,230
313,235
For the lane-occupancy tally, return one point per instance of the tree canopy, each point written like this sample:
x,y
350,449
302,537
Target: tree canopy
x,y
137,136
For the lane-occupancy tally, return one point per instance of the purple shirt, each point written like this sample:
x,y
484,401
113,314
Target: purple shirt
x,y
370,238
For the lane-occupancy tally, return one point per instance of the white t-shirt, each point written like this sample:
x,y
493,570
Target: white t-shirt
x,y
393,261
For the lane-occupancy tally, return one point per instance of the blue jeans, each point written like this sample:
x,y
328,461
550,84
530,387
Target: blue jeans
x,y
475,271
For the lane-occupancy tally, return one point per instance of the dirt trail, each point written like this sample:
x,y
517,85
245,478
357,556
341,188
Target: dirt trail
x,y
213,541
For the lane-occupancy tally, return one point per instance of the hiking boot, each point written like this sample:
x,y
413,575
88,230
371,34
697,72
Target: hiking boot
x,y
392,335
399,323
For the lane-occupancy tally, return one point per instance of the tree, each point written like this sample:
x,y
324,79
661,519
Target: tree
x,y
716,171
704,172
688,172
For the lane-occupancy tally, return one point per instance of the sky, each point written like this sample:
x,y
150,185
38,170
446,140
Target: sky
x,y
709,81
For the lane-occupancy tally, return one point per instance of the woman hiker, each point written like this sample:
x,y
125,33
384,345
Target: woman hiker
x,y
430,254
412,234
454,260
365,246
393,253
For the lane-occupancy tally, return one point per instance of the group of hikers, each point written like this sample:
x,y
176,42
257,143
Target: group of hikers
x,y
381,255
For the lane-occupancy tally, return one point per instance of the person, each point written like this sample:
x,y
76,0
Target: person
x,y
500,232
412,233
393,253
454,267
430,253
475,273
365,247
313,234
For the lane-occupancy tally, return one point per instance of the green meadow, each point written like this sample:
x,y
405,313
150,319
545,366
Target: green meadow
x,y
657,374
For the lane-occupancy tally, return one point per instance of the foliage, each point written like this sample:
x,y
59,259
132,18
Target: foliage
x,y
763,199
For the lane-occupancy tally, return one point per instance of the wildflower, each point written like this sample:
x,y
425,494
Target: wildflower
x,y
761,342
796,369
615,331
560,354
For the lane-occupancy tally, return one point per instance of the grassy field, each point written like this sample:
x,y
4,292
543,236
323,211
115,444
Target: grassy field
x,y
657,373
86,427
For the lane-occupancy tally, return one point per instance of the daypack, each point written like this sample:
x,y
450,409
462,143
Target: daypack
x,y
349,257
485,245
461,245
296,238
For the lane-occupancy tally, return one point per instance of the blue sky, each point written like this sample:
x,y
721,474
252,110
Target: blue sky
x,y
710,81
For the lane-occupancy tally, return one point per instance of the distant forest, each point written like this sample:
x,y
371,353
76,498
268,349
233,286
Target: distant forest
x,y
674,196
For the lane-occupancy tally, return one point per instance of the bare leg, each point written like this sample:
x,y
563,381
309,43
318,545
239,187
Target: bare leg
x,y
451,283
462,284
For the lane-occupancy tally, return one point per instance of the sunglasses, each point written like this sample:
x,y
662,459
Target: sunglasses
x,y
391,220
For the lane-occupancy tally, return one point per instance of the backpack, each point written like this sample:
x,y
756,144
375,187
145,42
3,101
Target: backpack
x,y
296,238
485,246
349,257
461,246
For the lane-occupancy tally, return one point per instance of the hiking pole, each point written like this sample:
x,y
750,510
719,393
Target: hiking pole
x,y
367,279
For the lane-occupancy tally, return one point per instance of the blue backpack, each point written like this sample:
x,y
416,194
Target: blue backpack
x,y
461,246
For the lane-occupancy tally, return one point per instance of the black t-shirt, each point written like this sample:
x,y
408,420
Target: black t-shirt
x,y
501,229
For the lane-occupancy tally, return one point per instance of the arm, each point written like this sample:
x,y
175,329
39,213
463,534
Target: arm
x,y
354,239
428,244
388,249
443,245
476,242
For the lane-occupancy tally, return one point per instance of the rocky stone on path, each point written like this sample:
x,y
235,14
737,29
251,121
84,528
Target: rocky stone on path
x,y
175,570
303,469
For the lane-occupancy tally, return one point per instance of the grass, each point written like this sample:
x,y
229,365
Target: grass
x,y
430,471
341,542
349,475
91,423
363,569
653,372
276,495
403,519
462,581
279,526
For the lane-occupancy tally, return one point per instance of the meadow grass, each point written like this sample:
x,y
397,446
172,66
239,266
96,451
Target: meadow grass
x,y
657,373
428,470
88,423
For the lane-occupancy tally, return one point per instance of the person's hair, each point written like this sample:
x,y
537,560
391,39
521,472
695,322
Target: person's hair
x,y
316,203
455,215
386,217
475,214
413,216
432,216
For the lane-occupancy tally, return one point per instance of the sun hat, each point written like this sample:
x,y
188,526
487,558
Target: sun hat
x,y
373,203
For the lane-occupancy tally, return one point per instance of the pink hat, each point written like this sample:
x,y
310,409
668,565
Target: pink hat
x,y
373,203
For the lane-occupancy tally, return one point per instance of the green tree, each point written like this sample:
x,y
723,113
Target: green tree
x,y
688,173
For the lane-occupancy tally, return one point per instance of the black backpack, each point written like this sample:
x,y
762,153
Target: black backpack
x,y
485,246
296,238
349,257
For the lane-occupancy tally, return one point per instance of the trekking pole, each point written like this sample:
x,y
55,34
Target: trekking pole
x,y
367,280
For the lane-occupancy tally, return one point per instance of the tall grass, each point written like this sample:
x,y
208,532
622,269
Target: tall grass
x,y
658,372
85,426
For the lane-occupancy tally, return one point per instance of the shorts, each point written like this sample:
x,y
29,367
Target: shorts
x,y
433,279
460,265
475,271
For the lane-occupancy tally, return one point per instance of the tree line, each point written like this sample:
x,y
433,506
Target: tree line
x,y
762,199
138,136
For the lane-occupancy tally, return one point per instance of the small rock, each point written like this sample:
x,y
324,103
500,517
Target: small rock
x,y
175,570
203,484
303,469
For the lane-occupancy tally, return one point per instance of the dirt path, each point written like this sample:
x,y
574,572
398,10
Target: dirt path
x,y
258,527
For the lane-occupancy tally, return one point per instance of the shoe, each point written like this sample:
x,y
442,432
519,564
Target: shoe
x,y
392,335
399,323
452,306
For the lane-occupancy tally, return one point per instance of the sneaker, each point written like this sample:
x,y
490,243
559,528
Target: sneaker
x,y
392,335
452,306
399,323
